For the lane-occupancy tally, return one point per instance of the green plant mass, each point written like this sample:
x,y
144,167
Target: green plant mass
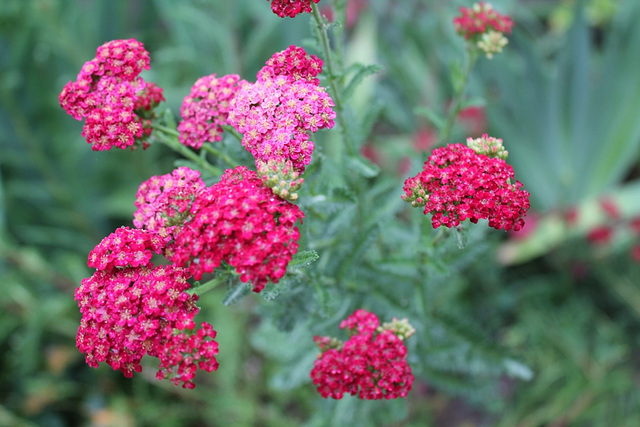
x,y
319,213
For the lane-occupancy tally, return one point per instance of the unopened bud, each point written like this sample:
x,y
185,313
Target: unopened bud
x,y
401,328
488,146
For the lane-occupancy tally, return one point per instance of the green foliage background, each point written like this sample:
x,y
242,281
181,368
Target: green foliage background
x,y
544,334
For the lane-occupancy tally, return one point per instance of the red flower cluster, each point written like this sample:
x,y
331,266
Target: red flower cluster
x,y
129,312
479,19
105,94
372,363
456,183
163,201
291,8
238,220
206,108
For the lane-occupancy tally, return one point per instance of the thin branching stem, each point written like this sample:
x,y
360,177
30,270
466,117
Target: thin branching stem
x,y
459,95
169,137
332,77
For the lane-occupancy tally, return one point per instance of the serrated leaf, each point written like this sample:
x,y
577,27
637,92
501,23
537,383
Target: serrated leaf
x,y
356,253
303,259
436,119
468,332
362,72
236,292
363,167
369,119
461,237
168,119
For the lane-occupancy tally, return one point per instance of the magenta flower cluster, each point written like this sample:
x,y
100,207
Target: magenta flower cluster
x,y
294,63
291,8
206,108
125,247
105,93
371,363
163,202
144,108
277,112
238,220
131,308
457,183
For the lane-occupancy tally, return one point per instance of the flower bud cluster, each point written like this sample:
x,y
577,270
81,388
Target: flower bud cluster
x,y
401,328
206,108
280,176
105,95
457,183
371,363
488,146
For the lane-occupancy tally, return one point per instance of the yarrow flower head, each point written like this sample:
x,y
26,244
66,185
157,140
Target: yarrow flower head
x,y
275,117
206,108
144,108
371,363
125,247
163,202
277,112
484,27
457,183
105,94
294,63
240,221
130,312
291,8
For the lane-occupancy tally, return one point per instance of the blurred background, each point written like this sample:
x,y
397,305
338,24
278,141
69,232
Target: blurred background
x,y
563,295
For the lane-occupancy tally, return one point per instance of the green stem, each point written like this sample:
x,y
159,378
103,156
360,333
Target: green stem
x,y
458,97
208,286
224,156
232,131
169,137
331,77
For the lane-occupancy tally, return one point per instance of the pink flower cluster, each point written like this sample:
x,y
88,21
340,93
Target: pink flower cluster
x,y
206,108
294,63
240,221
105,94
479,19
131,308
372,363
456,183
276,113
163,202
291,8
